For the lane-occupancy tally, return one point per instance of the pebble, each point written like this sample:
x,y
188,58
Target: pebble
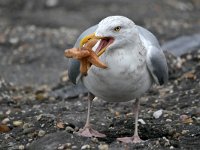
x,y
167,143
5,121
169,120
51,3
21,147
157,113
28,130
41,133
27,125
8,112
4,128
103,124
184,131
186,119
117,113
141,121
94,139
165,115
68,144
61,147
7,136
103,147
13,40
85,147
69,129
60,125
65,146
17,123
74,147
41,96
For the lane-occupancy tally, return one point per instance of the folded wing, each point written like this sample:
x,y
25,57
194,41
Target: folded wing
x,y
155,58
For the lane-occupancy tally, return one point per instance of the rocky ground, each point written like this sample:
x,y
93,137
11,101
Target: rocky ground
x,y
42,109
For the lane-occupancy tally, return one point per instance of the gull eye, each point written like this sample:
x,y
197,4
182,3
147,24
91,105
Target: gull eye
x,y
117,29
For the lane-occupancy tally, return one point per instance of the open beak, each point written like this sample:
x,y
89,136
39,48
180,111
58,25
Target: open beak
x,y
102,45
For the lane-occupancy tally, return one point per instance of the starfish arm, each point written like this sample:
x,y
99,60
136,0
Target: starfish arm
x,y
83,66
93,59
76,53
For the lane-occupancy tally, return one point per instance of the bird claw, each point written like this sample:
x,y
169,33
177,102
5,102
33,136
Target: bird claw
x,y
89,132
86,56
133,139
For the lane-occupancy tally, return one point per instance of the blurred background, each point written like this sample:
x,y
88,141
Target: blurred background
x,y
35,33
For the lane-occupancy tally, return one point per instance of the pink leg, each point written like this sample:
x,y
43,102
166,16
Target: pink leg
x,y
135,138
87,130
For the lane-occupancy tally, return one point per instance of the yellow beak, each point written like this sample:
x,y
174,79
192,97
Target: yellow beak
x,y
86,39
89,37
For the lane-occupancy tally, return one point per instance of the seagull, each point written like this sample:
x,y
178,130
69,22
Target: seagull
x,y
134,60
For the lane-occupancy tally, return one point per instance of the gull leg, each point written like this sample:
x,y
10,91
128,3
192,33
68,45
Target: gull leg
x,y
87,130
135,138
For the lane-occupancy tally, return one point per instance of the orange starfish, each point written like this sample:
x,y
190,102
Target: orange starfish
x,y
86,56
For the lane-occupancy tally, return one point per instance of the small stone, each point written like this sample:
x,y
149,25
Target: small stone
x,y
74,147
103,124
8,112
28,130
64,76
4,128
103,147
157,142
65,146
69,129
51,3
167,143
7,136
117,114
186,119
94,139
141,121
27,125
184,131
68,144
129,114
60,125
177,135
157,113
21,147
52,98
41,133
39,117
86,147
169,120
190,75
41,96
17,123
5,121
171,147
189,57
61,147
96,99
13,40
165,115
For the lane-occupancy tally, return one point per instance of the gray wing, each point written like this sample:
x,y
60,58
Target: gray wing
x,y
155,59
74,65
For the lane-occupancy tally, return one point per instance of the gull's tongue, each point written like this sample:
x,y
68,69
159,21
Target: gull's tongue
x,y
101,45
